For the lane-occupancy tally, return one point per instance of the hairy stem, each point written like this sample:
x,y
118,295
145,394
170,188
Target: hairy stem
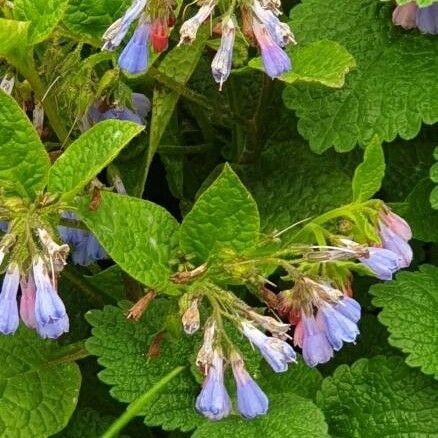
x,y
138,405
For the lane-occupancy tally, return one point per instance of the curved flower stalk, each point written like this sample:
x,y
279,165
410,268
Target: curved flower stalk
x,y
154,19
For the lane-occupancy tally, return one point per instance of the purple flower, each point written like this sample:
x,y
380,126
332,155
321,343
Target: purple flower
x,y
9,319
427,19
396,224
86,249
213,401
383,262
349,307
315,345
337,327
50,314
275,59
4,226
404,15
116,32
396,244
251,400
276,352
135,56
27,301
222,62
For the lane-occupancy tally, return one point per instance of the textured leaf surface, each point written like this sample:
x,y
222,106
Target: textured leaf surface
x,y
89,19
13,34
43,15
368,176
121,346
376,98
421,3
177,66
410,311
39,394
290,416
379,397
89,154
224,215
298,379
139,235
321,62
24,163
290,184
422,218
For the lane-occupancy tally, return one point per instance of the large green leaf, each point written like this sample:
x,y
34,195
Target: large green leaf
x,y
89,154
290,184
89,19
369,174
421,3
122,346
177,67
410,311
376,98
24,163
322,62
39,392
379,397
13,35
290,416
43,15
139,235
224,215
420,214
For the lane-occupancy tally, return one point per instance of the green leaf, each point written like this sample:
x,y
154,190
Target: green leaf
x,y
322,62
122,345
86,422
24,163
369,174
177,67
13,35
290,184
89,154
410,311
43,15
376,98
139,235
419,213
379,397
39,392
289,416
420,3
89,19
434,198
224,215
299,379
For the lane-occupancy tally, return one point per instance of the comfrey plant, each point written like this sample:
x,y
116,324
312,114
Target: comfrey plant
x,y
154,19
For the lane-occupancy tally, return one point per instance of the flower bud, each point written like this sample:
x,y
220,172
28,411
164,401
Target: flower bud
x,y
191,318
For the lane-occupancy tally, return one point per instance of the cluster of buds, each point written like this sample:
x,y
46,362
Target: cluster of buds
x,y
394,252
260,24
411,16
40,308
217,351
154,20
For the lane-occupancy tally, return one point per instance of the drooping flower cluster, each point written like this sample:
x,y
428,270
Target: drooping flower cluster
x,y
40,308
411,16
213,400
154,19
323,316
259,23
